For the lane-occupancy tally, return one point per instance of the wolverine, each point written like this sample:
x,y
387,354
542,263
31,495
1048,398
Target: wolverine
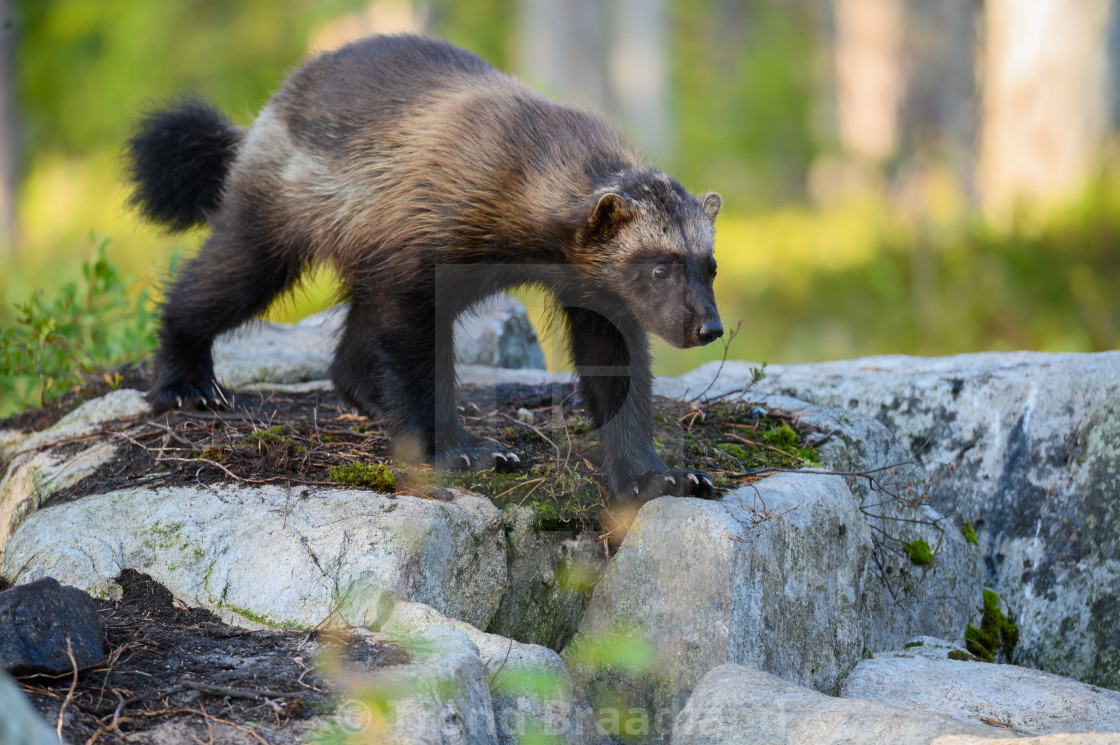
x,y
431,182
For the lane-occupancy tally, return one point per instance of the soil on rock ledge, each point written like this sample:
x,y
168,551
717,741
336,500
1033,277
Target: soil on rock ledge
x,y
180,674
314,439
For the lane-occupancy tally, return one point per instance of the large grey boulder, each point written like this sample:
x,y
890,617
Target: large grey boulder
x,y
735,705
532,693
903,600
921,676
20,724
42,463
1081,738
440,696
699,584
1035,442
498,333
269,556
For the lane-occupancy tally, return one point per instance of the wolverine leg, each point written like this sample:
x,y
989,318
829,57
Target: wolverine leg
x,y
418,388
356,369
615,382
234,277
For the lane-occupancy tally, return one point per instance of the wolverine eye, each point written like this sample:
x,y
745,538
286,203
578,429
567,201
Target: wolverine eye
x,y
660,273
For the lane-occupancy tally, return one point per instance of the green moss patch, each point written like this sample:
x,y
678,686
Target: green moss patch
x,y
969,533
373,475
919,552
997,635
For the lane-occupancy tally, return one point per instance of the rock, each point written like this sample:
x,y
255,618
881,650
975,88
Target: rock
x,y
739,706
440,696
87,418
904,600
498,334
42,463
33,477
273,556
922,677
20,723
551,573
37,618
532,692
1104,738
264,352
1035,441
696,585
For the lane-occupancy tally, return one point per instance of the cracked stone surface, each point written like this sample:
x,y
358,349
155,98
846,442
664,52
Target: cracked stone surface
x,y
734,705
269,556
1035,441
921,676
698,585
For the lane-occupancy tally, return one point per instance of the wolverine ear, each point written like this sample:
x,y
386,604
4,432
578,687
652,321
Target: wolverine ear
x,y
711,202
609,214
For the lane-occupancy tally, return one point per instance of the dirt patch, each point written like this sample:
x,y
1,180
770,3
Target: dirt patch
x,y
315,439
175,674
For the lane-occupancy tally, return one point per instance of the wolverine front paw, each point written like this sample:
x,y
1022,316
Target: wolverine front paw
x,y
683,483
476,456
189,396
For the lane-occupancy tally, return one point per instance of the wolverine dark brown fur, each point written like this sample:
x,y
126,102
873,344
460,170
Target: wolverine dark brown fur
x,y
431,181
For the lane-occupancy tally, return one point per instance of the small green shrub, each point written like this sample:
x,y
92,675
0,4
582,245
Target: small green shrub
x,y
85,329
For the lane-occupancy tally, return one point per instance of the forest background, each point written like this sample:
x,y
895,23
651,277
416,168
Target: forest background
x,y
899,176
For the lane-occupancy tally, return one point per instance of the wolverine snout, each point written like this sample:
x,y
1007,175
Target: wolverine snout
x,y
709,331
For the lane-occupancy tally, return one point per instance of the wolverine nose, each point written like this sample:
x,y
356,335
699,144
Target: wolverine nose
x,y
709,331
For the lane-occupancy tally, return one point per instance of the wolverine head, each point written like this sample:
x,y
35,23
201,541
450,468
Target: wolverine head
x,y
654,246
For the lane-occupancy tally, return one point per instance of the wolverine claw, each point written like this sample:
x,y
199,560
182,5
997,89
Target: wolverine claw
x,y
466,460
693,479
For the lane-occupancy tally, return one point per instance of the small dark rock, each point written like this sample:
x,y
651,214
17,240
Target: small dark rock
x,y
35,620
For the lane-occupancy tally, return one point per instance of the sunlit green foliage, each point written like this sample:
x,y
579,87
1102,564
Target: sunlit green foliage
x,y
62,337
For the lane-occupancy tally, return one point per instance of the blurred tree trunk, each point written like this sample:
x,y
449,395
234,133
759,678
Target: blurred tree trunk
x,y
1046,106
9,132
869,75
939,106
563,49
639,72
608,55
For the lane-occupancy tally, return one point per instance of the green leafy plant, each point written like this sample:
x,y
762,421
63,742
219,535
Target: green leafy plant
x,y
85,329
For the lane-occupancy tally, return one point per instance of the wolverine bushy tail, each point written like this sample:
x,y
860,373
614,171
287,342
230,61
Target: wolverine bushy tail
x,y
178,158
